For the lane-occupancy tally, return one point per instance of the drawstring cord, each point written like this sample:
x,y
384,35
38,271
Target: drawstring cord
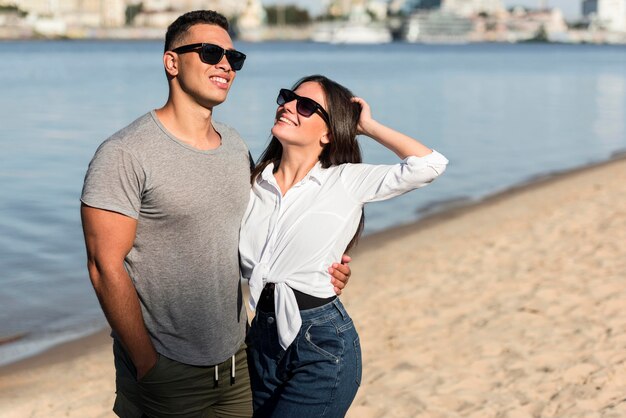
x,y
232,371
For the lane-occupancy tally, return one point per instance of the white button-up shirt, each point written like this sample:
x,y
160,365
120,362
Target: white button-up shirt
x,y
291,240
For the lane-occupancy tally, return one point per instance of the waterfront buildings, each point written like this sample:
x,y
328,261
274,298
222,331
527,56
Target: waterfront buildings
x,y
355,20
108,18
114,13
160,13
102,13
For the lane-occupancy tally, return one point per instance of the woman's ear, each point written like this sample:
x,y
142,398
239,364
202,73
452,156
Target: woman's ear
x,y
325,139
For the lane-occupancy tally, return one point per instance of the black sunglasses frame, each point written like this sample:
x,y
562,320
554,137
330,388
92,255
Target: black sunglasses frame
x,y
235,58
310,106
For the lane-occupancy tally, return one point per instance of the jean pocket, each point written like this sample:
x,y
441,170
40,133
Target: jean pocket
x,y
357,355
324,340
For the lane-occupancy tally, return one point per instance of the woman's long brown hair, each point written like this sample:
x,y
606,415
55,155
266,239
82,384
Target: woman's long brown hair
x,y
343,146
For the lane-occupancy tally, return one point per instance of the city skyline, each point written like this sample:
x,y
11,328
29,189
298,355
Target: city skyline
x,y
463,23
571,8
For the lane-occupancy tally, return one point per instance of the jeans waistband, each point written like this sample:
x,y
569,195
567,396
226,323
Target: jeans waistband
x,y
322,313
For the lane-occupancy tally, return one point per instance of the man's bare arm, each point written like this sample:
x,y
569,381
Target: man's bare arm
x,y
109,237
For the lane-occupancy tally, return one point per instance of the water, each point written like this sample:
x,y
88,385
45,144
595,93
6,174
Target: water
x,y
501,113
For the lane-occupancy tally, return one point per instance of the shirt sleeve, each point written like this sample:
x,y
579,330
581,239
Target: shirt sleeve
x,y
114,181
371,183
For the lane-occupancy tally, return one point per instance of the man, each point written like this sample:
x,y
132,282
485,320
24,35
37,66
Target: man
x,y
161,207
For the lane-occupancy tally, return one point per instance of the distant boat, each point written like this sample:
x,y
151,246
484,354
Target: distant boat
x,y
437,27
351,33
359,28
323,32
361,34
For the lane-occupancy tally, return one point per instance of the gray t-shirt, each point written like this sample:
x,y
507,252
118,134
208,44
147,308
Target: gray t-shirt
x,y
184,262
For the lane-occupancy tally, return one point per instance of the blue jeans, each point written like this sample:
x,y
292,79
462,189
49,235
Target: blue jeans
x,y
319,373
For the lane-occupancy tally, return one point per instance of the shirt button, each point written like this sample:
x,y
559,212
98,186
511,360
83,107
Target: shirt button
x,y
270,320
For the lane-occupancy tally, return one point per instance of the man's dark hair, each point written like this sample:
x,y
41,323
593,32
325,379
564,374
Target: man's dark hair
x,y
178,29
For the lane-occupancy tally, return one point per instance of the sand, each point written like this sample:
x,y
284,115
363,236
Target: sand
x,y
510,308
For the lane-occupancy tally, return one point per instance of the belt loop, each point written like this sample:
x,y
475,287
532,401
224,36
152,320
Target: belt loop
x,y
340,308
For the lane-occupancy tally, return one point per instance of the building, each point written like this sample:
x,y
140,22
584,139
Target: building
x,y
107,18
470,8
91,13
160,13
527,24
611,15
226,7
589,7
112,13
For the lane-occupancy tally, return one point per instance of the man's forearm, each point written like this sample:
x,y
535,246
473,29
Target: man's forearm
x,y
120,304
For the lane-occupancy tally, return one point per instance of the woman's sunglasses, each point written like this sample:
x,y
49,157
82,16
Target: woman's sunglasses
x,y
304,106
212,54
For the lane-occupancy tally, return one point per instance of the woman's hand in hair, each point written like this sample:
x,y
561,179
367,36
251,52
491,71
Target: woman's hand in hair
x,y
366,122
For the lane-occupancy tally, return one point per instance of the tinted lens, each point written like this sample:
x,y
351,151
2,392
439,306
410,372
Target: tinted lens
x,y
285,96
211,54
306,107
236,59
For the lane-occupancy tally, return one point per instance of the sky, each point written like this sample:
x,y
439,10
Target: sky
x,y
571,8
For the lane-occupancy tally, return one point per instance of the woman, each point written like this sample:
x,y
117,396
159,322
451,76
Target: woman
x,y
307,197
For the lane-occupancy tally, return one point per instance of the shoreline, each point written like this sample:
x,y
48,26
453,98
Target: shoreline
x,y
60,352
65,350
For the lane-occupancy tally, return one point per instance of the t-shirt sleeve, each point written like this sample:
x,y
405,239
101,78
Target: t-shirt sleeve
x,y
371,183
114,181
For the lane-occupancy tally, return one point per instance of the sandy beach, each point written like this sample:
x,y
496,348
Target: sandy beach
x,y
509,308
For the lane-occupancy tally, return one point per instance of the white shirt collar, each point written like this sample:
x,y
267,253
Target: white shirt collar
x,y
316,173
268,172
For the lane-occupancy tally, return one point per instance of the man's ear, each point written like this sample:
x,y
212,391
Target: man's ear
x,y
170,62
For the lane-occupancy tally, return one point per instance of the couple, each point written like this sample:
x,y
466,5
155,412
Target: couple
x,y
170,220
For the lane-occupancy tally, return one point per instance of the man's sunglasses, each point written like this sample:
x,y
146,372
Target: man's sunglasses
x,y
212,54
304,106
